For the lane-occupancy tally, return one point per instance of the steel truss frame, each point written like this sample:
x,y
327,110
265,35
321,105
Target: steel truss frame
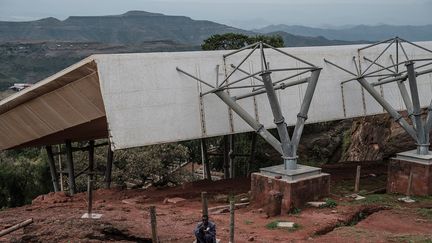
x,y
419,131
287,146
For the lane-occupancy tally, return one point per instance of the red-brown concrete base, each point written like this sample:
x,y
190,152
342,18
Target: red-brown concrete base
x,y
398,177
294,193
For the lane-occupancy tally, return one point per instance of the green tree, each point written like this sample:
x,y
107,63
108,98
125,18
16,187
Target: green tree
x,y
231,41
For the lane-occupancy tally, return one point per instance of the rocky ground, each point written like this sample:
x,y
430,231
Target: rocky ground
x,y
377,218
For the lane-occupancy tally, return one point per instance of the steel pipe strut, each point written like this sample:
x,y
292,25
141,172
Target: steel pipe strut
x,y
398,118
422,148
259,128
406,100
288,155
302,115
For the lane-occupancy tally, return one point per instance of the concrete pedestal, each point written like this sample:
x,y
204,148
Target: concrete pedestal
x,y
296,187
399,171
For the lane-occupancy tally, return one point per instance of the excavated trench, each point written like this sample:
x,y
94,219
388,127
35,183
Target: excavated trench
x,y
111,233
352,220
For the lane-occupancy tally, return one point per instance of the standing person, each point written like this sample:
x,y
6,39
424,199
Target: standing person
x,y
205,231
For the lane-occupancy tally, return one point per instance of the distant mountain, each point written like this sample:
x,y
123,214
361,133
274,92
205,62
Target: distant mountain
x,y
132,27
291,40
355,33
33,50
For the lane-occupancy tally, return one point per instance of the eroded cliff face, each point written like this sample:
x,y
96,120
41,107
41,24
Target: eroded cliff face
x,y
362,139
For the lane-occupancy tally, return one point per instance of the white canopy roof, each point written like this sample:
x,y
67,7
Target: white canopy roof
x,y
140,99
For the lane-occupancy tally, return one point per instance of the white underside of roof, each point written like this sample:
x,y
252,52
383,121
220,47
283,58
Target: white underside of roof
x,y
148,102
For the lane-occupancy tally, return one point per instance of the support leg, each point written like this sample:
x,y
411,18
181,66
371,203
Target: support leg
x,y
231,155
205,159
70,165
252,153
226,156
52,168
90,179
422,147
108,169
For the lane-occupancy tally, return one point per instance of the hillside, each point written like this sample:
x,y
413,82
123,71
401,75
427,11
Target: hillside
x,y
31,62
291,40
133,27
355,33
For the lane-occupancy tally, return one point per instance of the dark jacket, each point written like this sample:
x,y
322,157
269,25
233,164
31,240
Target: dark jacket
x,y
211,226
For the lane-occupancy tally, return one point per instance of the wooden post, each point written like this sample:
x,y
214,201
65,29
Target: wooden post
x,y
90,179
252,153
60,167
108,170
52,166
204,203
408,193
231,230
153,224
15,227
357,179
226,156
70,165
231,155
205,160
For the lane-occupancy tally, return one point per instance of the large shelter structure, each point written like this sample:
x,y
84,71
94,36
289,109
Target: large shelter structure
x,y
142,99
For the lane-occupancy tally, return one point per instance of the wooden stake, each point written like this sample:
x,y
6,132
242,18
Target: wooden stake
x,y
357,179
204,203
232,209
153,224
15,227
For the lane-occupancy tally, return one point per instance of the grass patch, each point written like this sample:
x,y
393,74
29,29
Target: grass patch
x,y
379,199
411,239
295,211
295,227
248,222
272,225
329,203
425,212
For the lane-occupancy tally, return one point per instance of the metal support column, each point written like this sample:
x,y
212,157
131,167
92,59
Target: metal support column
x,y
422,146
290,161
90,178
52,166
70,165
108,170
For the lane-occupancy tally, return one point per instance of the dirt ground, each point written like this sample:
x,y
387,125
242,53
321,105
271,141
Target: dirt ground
x,y
377,218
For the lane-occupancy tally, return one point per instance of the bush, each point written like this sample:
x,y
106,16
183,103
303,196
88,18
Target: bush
x,y
24,174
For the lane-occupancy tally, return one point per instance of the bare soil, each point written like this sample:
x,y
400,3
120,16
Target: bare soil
x,y
378,218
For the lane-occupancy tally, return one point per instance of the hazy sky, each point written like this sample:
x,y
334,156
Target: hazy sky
x,y
239,13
